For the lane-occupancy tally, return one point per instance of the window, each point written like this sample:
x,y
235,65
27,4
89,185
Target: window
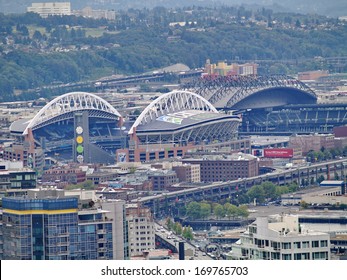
x,y
286,245
320,256
305,244
297,245
324,243
286,256
315,244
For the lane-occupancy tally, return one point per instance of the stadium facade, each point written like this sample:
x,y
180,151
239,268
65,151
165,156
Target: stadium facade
x,y
76,126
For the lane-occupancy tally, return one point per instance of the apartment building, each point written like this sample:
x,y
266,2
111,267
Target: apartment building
x,y
141,229
280,238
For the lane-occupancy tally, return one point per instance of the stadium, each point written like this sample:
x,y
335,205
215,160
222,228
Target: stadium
x,y
76,126
82,127
174,123
270,104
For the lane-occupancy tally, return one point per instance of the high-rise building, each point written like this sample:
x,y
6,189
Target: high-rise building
x,y
49,226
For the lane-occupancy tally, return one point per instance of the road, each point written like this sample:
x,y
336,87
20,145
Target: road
x,y
164,233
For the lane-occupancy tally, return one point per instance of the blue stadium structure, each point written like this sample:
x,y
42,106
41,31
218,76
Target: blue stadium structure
x,y
76,126
270,104
251,92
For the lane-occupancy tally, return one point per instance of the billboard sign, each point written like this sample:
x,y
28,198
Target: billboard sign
x,y
278,153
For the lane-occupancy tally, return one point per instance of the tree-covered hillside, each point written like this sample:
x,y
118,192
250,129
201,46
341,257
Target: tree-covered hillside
x,y
35,52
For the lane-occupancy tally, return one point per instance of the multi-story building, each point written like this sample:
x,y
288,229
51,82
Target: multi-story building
x,y
15,178
96,14
32,157
189,173
162,179
224,69
141,229
280,238
68,174
50,9
226,167
42,227
313,142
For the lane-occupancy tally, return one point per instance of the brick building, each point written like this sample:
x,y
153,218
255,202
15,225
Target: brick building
x,y
227,167
188,172
313,142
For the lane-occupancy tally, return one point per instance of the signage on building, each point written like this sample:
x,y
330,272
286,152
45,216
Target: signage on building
x,y
278,153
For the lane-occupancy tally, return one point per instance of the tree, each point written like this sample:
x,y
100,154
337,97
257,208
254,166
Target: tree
x,y
256,192
218,210
231,210
243,211
169,224
269,190
194,210
188,233
177,228
320,179
205,210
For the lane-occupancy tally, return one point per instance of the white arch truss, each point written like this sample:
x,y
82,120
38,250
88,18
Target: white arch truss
x,y
70,102
172,102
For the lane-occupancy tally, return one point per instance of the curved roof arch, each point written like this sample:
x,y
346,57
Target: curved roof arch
x,y
70,102
230,91
172,102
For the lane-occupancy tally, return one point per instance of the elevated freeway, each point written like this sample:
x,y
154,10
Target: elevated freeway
x,y
220,190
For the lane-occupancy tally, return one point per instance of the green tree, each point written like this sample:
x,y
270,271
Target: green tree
x,y
218,210
230,210
177,228
256,192
194,210
205,210
188,233
169,223
320,179
269,190
243,211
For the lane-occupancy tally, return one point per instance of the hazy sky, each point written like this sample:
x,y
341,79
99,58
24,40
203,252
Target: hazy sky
x,y
332,8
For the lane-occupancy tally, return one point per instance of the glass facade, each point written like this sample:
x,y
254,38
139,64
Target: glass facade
x,y
53,229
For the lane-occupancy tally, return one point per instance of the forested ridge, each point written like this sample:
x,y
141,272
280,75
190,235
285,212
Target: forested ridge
x,y
35,52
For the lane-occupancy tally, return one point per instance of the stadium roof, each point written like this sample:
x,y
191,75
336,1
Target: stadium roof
x,y
181,120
